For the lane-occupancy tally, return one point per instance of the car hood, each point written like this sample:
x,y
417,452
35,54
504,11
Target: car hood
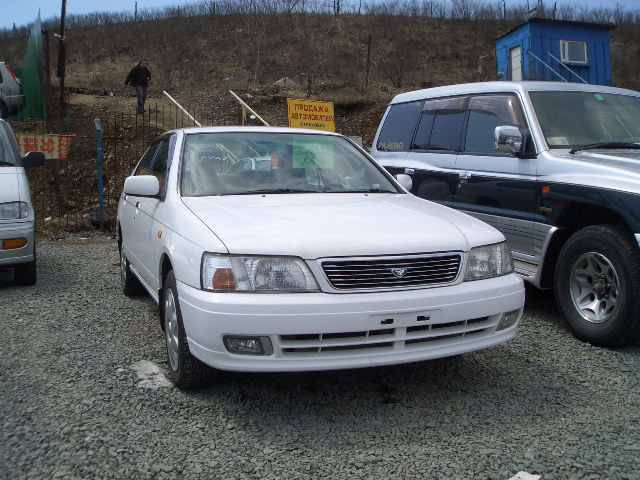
x,y
9,184
332,225
615,169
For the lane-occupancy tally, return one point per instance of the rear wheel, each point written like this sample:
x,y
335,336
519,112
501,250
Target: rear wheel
x,y
185,371
4,111
597,278
131,286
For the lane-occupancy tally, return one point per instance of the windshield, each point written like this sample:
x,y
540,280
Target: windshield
x,y
237,163
8,157
574,119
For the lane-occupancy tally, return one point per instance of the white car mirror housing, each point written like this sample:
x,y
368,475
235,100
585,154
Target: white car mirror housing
x,y
405,180
142,186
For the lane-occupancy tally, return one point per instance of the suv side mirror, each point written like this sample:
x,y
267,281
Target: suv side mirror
x,y
34,159
509,140
405,180
142,186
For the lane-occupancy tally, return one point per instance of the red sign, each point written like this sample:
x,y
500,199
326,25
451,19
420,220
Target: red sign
x,y
54,147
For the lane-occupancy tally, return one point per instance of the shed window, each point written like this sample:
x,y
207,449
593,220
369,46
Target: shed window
x,y
573,52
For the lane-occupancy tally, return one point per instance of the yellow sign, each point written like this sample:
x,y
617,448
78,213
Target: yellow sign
x,y
311,114
54,147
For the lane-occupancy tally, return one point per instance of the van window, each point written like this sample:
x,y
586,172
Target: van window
x,y
398,127
441,125
486,112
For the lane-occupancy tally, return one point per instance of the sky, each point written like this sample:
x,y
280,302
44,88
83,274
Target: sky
x,y
23,12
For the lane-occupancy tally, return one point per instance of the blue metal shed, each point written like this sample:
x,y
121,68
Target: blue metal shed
x,y
545,49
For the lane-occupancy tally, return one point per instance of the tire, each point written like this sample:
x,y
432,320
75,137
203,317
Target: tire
x,y
4,111
596,281
131,286
184,370
26,273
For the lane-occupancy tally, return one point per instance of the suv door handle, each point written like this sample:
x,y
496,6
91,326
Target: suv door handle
x,y
463,177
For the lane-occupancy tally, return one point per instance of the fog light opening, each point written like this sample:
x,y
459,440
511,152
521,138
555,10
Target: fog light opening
x,y
509,319
13,243
246,345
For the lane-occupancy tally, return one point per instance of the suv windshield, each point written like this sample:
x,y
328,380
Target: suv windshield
x,y
238,163
576,119
8,157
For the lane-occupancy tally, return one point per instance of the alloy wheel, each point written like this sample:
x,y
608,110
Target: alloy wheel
x,y
171,329
595,287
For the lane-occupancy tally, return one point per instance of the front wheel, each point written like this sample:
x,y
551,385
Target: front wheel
x,y
185,371
597,278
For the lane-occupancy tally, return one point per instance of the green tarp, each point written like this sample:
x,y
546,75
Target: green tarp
x,y
34,108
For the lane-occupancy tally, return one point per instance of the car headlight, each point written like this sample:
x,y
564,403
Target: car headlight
x,y
488,261
231,273
14,210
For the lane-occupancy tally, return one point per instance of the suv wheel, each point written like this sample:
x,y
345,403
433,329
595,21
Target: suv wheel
x,y
596,277
185,371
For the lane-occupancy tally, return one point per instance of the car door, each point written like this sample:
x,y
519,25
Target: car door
x,y
129,221
421,138
500,189
147,214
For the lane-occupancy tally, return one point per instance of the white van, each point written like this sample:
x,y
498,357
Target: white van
x,y
17,220
11,97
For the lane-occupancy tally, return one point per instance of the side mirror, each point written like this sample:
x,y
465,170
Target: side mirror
x,y
509,140
142,186
405,180
34,159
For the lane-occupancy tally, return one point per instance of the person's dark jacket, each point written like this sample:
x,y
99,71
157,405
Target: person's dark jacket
x,y
138,76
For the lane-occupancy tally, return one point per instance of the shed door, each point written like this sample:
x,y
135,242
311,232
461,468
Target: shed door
x,y
515,62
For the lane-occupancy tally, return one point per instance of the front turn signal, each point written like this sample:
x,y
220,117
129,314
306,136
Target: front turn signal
x,y
13,243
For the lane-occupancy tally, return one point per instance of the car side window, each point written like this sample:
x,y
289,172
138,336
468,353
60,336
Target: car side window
x,y
145,165
398,127
160,161
441,125
486,112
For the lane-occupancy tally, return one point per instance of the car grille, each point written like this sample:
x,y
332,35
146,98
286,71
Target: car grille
x,y
385,339
392,272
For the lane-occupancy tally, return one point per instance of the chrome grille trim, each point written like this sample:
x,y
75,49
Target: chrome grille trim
x,y
377,272
386,339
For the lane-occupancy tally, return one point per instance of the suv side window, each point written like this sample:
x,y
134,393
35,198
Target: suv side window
x,y
441,125
398,127
486,112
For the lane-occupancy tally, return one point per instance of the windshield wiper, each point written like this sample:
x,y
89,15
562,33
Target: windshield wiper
x,y
367,190
6,164
607,145
273,190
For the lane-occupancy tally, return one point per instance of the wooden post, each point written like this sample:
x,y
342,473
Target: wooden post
x,y
62,56
46,68
135,13
368,65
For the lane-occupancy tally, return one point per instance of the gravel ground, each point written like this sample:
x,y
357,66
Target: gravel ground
x,y
75,402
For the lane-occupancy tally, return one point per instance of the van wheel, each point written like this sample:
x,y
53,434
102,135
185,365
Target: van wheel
x,y
597,278
185,371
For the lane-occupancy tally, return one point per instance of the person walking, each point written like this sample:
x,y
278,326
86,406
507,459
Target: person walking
x,y
139,78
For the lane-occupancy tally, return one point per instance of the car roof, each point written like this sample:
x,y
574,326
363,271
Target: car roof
x,y
240,129
505,86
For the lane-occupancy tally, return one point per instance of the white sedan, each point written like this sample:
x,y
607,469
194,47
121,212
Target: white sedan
x,y
321,261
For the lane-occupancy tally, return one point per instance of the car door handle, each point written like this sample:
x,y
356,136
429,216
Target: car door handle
x,y
137,204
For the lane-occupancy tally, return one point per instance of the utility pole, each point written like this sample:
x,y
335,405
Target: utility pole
x,y
62,55
135,13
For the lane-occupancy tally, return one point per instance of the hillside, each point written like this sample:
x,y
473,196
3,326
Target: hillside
x,y
198,59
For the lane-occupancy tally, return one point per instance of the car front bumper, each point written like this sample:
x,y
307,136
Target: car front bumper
x,y
321,331
18,255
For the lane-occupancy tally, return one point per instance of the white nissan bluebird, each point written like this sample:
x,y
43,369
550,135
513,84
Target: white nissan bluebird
x,y
312,258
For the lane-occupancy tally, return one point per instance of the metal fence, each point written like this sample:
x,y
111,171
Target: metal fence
x,y
66,194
